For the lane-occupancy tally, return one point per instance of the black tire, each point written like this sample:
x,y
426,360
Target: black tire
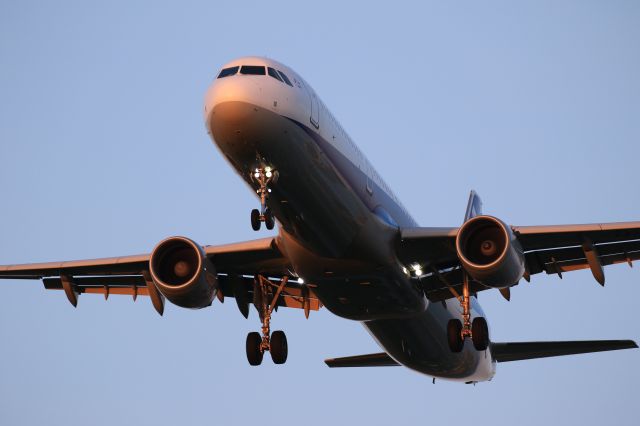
x,y
279,349
454,330
254,354
269,222
255,219
480,333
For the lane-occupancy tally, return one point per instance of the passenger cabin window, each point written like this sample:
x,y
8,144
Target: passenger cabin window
x,y
228,72
252,70
285,78
273,73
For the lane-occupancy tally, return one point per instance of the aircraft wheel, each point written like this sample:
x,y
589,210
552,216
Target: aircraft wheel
x,y
254,354
279,349
268,219
255,219
480,333
454,330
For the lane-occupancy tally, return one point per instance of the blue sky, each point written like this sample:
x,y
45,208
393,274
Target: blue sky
x,y
104,152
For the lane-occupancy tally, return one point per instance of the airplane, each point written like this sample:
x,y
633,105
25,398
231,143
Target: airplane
x,y
345,242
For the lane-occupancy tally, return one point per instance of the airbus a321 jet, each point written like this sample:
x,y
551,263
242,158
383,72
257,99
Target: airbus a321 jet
x,y
345,242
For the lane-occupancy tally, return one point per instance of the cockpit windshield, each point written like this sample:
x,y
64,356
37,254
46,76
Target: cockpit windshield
x,y
273,73
252,70
228,72
285,78
256,70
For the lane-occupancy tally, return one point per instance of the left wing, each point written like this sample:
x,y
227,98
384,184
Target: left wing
x,y
552,249
129,274
565,248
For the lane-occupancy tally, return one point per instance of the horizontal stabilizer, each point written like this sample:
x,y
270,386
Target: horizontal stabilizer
x,y
503,352
370,360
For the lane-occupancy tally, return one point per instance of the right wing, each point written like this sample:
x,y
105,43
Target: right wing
x,y
129,274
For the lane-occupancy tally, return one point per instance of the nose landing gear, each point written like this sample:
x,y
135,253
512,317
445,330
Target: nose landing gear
x,y
477,330
263,176
275,343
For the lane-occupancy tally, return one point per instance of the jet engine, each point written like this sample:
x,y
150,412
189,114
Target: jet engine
x,y
182,273
490,252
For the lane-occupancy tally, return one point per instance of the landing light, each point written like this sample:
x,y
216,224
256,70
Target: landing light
x,y
256,175
300,280
267,169
417,269
268,173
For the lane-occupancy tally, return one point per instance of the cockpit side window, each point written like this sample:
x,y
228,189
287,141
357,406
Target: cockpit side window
x,y
273,73
228,72
285,78
252,70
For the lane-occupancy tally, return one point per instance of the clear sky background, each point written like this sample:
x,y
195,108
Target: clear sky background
x,y
103,152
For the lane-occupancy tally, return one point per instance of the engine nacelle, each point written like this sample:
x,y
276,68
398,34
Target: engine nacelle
x,y
490,252
182,273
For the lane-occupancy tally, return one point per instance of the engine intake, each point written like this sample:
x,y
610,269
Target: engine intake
x,y
490,252
182,273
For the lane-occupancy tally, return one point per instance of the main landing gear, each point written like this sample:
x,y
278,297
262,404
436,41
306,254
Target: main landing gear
x,y
276,342
477,330
263,176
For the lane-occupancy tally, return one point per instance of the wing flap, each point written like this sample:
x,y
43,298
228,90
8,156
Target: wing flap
x,y
554,236
135,285
370,360
505,352
123,291
567,259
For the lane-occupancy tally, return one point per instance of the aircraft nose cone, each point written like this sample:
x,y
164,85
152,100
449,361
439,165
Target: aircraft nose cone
x,y
231,112
224,98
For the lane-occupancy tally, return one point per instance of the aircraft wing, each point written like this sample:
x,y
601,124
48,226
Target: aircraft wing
x,y
555,249
129,274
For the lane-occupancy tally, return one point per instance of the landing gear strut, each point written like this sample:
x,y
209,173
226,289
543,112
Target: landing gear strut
x,y
263,176
477,330
275,343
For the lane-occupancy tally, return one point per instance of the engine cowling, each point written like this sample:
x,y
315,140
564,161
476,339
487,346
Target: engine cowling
x,y
182,273
490,252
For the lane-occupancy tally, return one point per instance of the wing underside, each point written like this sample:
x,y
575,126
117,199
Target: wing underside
x,y
126,275
550,249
